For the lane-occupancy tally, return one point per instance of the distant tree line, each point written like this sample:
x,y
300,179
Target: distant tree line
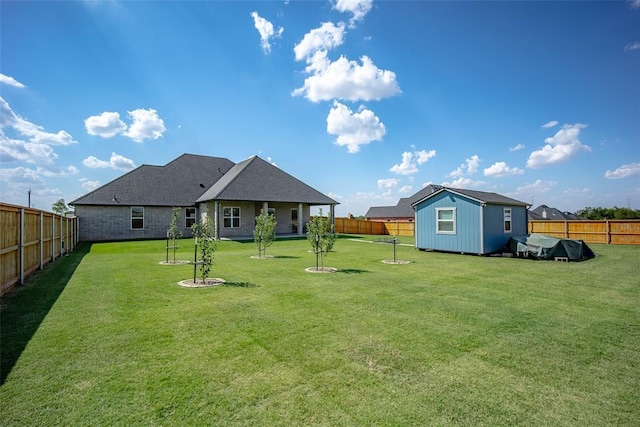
x,y
609,213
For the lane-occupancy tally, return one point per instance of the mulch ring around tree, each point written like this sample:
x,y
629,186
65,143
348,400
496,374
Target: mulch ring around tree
x,y
398,261
321,270
176,262
262,256
209,281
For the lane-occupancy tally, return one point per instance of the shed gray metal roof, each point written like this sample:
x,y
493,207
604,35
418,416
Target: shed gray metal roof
x,y
255,179
480,196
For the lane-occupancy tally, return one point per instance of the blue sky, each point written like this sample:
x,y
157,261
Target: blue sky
x,y
365,101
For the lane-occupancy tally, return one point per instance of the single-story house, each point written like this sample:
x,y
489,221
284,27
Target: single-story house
x,y
140,203
468,221
544,212
403,211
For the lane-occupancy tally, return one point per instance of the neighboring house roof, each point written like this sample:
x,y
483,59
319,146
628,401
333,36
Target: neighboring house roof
x,y
545,212
404,208
258,180
186,179
480,196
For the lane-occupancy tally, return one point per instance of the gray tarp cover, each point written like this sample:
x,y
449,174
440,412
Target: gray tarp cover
x,y
539,246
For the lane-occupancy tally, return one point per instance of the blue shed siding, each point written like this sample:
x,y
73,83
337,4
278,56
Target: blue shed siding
x,y
494,235
467,236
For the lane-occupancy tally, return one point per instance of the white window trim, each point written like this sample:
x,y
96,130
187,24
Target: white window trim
x,y
454,221
131,217
504,220
231,208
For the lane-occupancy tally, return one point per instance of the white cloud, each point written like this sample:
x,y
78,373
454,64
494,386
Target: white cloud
x,y
624,171
632,46
552,123
88,184
346,80
463,182
405,189
559,148
146,124
56,172
266,31
106,125
358,8
634,4
423,156
323,38
15,150
517,147
35,133
115,162
469,167
500,169
536,187
8,80
19,175
387,185
411,160
354,129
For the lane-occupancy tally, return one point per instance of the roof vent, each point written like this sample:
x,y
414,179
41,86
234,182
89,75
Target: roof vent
x,y
201,185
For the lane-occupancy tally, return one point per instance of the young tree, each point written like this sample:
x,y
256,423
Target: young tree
x,y
60,207
203,234
174,232
321,237
265,232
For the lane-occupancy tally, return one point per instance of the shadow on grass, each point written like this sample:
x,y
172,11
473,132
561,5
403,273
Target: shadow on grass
x,y
239,285
24,308
287,257
352,271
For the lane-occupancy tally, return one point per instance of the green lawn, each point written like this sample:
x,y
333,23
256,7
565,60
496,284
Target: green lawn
x,y
105,336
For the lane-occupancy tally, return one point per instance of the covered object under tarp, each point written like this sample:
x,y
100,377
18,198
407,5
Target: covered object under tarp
x,y
539,246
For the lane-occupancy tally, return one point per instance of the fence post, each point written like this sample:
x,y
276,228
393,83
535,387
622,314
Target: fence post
x,y
608,231
53,237
41,240
21,278
566,229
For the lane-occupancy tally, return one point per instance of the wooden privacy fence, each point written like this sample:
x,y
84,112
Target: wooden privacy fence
x,y
29,239
616,232
360,226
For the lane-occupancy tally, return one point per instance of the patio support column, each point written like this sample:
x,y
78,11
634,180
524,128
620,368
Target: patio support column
x,y
265,207
332,217
216,219
300,219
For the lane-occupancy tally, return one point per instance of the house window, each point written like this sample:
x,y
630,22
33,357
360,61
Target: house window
x,y
137,218
507,220
271,211
231,217
446,220
190,217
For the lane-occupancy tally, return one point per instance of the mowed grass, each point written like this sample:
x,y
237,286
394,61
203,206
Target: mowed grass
x,y
447,339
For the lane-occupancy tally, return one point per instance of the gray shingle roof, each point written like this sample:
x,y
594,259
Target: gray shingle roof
x,y
189,177
178,183
258,180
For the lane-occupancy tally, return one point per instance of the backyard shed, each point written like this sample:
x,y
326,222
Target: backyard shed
x,y
467,221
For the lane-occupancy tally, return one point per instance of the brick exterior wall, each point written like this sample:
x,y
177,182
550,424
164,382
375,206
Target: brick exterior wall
x,y
102,223
105,223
